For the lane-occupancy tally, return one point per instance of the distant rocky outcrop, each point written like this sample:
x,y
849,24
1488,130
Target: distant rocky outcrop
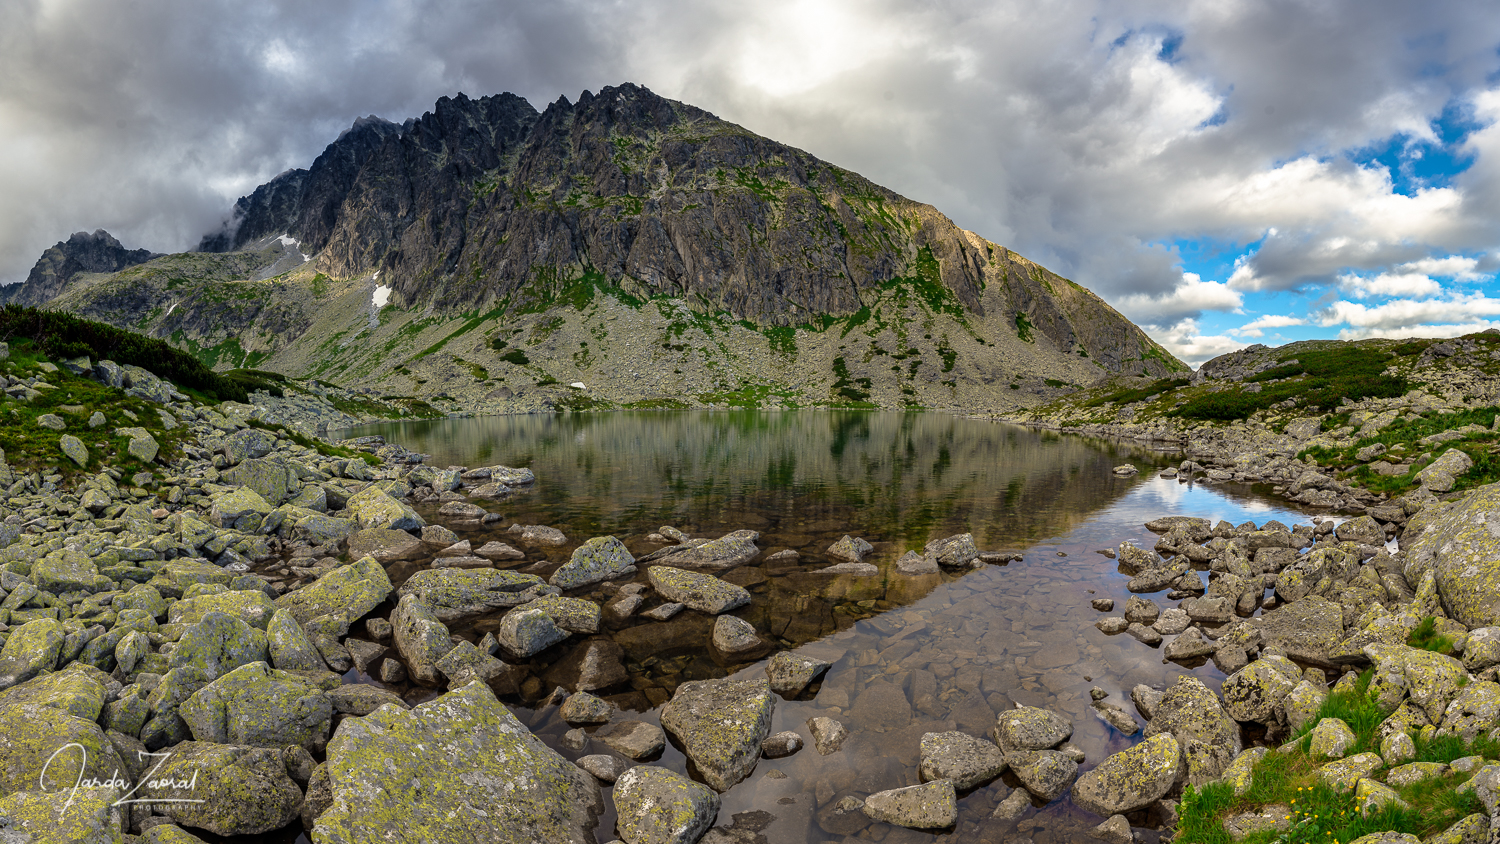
x,y
82,253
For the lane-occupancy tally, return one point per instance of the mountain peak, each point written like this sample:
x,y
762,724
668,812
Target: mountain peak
x,y
83,252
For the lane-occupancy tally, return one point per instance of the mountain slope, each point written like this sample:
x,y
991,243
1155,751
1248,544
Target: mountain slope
x,y
497,233
82,253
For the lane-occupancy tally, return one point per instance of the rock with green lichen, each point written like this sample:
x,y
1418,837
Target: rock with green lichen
x,y
259,706
290,648
68,571
249,606
372,507
421,639
240,509
480,775
930,806
575,615
526,631
1330,739
1474,829
461,594
74,449
269,477
1460,545
1241,773
967,761
1131,779
217,645
347,593
78,690
184,573
721,724
169,833
40,817
1030,728
595,561
1209,738
702,592
1432,680
1045,773
1474,710
658,806
1342,775
32,749
1259,691
29,650
142,597
243,790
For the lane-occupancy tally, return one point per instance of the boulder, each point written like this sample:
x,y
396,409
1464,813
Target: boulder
x,y
735,636
372,507
268,477
1045,773
484,777
1460,545
456,595
525,632
1208,736
1475,710
575,615
240,509
421,639
930,806
658,806
1029,728
1441,474
386,545
1331,739
728,551
1431,679
243,790
636,739
595,561
721,724
828,735
86,814
249,606
953,552
259,706
33,739
584,708
1259,690
854,549
702,592
345,594
538,534
78,690
216,646
1131,779
790,673
68,571
29,650
290,648
967,761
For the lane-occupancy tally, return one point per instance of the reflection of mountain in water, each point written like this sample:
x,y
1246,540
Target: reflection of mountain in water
x,y
798,477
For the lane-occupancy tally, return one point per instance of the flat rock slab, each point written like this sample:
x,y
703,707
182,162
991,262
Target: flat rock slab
x,y
702,592
930,806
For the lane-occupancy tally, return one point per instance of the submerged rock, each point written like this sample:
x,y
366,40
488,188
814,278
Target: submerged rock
x,y
484,777
930,806
702,592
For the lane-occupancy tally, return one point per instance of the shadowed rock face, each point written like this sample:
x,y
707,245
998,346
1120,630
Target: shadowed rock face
x,y
486,201
82,253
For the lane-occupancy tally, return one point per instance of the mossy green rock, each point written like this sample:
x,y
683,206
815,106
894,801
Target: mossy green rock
x,y
1209,738
1031,728
347,593
1460,545
461,594
455,770
728,551
595,561
217,645
1257,691
143,448
1330,739
1131,779
1474,710
721,724
1432,679
32,742
68,571
702,592
78,690
1342,775
372,507
527,631
658,806
1241,774
185,573
244,790
85,816
251,607
239,509
169,834
259,706
1474,829
142,597
289,645
268,477
74,449
29,650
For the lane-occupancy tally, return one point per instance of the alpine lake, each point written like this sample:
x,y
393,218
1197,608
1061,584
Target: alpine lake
x,y
910,654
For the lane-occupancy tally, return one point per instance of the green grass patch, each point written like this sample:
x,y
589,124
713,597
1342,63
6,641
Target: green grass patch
x,y
1401,439
1023,327
1135,394
1426,637
846,391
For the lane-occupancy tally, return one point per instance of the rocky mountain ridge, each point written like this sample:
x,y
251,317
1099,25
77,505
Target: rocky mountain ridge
x,y
65,260
483,249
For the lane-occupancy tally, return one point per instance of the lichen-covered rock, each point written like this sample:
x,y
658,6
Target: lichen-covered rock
x,y
1474,710
1030,728
1304,703
525,632
216,646
790,673
702,592
481,775
461,594
828,735
347,593
372,507
32,754
595,561
954,551
1371,796
1431,679
853,549
658,806
1209,738
1460,545
269,477
1342,775
78,690
87,815
1241,773
29,650
1257,691
262,707
421,639
1045,773
933,805
1131,779
1474,829
721,724
960,757
290,648
729,551
240,509
74,449
1306,630
1331,739
1441,474
249,606
584,708
68,571
575,615
386,545
243,790
735,636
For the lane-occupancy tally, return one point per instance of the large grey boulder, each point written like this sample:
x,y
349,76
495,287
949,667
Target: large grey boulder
x,y
595,561
1258,692
729,551
1030,728
1131,779
967,761
702,592
270,478
527,631
386,545
373,507
345,594
721,724
223,788
1460,545
259,706
216,646
930,806
456,595
1045,773
289,646
240,509
953,552
1208,737
32,742
483,777
30,649
735,636
658,806
421,639
851,548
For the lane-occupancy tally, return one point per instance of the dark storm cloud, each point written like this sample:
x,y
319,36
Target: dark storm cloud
x,y
1087,135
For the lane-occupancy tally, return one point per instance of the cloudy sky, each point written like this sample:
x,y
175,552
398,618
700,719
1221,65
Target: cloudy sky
x,y
1224,172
